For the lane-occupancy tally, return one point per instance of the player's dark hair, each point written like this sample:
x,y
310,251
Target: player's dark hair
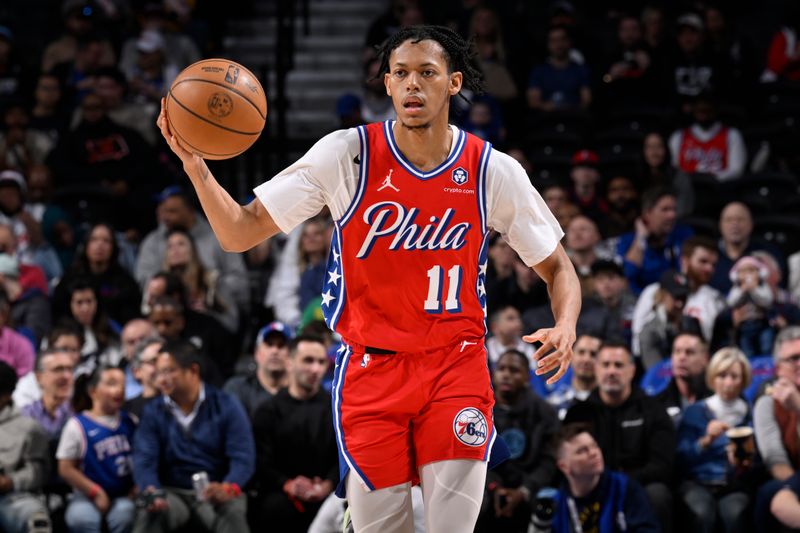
x,y
458,52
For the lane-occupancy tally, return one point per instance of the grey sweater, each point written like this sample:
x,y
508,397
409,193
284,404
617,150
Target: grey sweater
x,y
24,451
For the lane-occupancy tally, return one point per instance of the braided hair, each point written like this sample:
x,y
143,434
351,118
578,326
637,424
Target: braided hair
x,y
458,52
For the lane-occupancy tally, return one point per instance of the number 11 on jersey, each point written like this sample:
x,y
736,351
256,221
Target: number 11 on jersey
x,y
433,303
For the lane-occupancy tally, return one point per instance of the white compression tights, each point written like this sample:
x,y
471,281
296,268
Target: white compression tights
x,y
452,492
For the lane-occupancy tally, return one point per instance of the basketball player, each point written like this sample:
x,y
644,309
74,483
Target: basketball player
x,y
405,286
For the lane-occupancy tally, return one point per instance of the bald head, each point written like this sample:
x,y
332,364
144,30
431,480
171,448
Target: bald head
x,y
736,223
133,332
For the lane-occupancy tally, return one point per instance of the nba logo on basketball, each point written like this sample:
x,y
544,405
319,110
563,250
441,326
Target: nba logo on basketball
x,y
232,75
460,176
470,427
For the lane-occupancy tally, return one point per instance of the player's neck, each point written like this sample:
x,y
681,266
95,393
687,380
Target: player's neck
x,y
427,147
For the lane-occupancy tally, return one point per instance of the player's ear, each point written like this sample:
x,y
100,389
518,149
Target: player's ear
x,y
456,80
386,83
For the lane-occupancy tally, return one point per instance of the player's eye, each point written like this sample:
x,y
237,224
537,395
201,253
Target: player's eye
x,y
428,73
399,73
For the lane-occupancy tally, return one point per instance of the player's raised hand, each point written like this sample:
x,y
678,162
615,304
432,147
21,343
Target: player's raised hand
x,y
188,158
555,351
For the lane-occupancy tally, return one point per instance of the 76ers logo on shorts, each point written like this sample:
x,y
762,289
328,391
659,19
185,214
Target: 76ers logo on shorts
x,y
470,427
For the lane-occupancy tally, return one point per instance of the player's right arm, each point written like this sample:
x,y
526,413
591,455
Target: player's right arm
x,y
227,217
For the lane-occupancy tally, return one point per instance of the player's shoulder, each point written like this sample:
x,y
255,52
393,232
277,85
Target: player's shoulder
x,y
340,139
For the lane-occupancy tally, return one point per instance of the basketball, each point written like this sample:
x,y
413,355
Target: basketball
x,y
216,108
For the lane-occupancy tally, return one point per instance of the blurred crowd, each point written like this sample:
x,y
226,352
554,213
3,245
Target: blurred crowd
x,y
151,381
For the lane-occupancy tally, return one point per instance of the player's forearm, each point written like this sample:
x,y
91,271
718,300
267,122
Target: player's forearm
x,y
232,223
565,293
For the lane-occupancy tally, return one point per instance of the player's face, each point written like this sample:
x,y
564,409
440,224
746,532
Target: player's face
x,y
420,83
308,365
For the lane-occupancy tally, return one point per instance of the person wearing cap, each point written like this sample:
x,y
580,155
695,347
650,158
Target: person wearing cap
x,y
560,83
692,69
585,185
152,74
270,375
698,261
658,334
175,210
708,146
654,246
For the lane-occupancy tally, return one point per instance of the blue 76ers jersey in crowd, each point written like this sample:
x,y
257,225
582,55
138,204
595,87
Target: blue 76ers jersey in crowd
x,y
407,267
107,454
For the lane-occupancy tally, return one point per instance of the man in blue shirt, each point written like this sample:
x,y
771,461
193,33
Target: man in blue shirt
x,y
559,83
655,246
193,428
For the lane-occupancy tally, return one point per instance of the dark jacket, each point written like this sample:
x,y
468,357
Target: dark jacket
x,y
527,428
637,437
219,442
672,401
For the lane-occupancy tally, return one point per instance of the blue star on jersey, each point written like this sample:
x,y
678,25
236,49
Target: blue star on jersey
x,y
333,286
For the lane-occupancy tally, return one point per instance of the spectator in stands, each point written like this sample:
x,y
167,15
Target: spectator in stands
x,y
166,454
628,79
24,458
13,75
751,301
667,319
109,159
179,49
623,207
28,242
143,366
556,197
697,262
692,69
94,455
54,372
783,57
733,51
153,73
29,307
295,442
594,497
708,146
736,241
713,481
15,350
688,383
202,329
20,145
633,429
76,73
583,379
313,257
654,246
559,83
111,86
486,29
132,335
58,227
270,375
207,292
48,114
775,417
585,191
485,121
98,262
508,283
611,290
80,18
175,210
527,424
581,241
657,171
62,338
371,103
101,337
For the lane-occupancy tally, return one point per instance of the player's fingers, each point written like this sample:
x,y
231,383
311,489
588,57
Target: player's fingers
x,y
536,336
547,365
558,375
543,349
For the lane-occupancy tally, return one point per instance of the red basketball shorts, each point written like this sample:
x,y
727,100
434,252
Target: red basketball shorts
x,y
395,413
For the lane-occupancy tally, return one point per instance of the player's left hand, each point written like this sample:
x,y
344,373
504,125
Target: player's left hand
x,y
187,157
557,345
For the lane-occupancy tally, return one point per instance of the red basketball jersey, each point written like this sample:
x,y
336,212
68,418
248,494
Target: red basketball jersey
x,y
407,267
696,155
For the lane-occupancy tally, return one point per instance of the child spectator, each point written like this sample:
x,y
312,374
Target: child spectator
x,y
750,299
94,454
